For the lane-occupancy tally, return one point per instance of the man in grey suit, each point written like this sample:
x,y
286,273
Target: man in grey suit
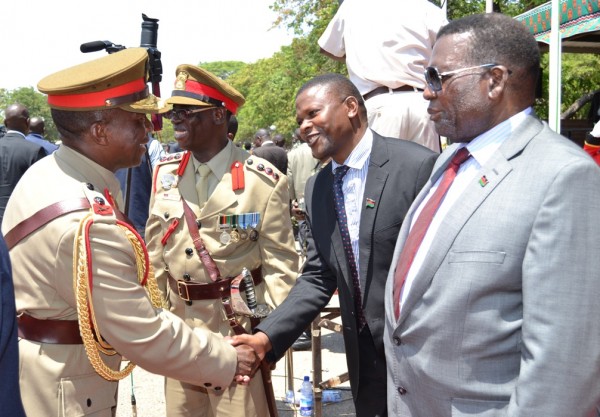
x,y
499,312
383,177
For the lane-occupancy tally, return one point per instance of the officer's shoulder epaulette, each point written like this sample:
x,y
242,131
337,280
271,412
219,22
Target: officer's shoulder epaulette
x,y
263,168
98,201
171,158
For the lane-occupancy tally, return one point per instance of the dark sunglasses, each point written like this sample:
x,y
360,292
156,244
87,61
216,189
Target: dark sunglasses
x,y
435,79
182,114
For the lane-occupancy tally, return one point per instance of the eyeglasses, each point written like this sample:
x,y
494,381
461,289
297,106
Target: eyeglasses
x,y
435,79
182,114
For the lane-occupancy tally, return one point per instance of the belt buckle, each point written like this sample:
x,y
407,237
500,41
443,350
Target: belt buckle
x,y
182,284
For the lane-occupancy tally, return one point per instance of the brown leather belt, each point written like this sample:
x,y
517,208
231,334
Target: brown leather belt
x,y
190,291
382,90
60,332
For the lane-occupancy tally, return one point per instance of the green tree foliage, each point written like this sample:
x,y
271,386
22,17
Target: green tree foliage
x,y
270,85
36,104
223,69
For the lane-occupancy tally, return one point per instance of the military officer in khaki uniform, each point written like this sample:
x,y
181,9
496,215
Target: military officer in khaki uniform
x,y
84,291
216,200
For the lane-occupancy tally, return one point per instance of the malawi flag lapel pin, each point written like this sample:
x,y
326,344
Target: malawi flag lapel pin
x,y
370,203
483,181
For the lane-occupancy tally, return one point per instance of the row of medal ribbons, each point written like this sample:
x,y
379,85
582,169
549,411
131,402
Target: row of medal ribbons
x,y
236,227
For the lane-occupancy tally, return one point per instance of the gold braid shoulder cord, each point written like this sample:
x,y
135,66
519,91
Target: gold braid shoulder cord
x,y
83,295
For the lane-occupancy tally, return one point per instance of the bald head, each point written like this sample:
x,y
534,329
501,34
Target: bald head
x,y
16,117
260,136
37,125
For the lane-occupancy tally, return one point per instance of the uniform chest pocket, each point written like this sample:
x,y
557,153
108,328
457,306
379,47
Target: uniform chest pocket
x,y
167,210
87,394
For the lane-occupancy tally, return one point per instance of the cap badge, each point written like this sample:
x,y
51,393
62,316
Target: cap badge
x,y
181,79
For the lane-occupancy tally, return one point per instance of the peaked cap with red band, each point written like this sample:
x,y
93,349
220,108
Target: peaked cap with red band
x,y
115,80
195,86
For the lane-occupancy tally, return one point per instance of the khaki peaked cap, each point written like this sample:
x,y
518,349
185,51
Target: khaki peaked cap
x,y
195,86
117,80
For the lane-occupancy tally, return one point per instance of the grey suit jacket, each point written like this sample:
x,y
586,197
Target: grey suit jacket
x,y
503,318
397,171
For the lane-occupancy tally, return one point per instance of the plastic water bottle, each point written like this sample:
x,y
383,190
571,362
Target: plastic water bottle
x,y
332,396
306,398
289,397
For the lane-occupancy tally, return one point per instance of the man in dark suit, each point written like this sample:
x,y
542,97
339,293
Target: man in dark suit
x,y
265,148
10,394
37,129
16,153
383,178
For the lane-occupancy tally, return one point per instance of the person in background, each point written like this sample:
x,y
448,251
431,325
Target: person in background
x,y
216,211
354,208
592,143
16,153
37,128
492,298
84,291
265,148
279,140
232,127
10,394
386,45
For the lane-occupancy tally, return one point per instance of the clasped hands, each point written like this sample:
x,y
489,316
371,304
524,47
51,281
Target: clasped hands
x,y
251,351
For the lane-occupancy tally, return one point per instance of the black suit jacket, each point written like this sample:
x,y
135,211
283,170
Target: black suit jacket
x,y
398,170
274,154
16,155
10,394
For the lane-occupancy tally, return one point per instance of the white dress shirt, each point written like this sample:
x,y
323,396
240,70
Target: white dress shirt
x,y
353,187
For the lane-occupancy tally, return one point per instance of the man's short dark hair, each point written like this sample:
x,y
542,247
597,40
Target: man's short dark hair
x,y
337,84
71,124
498,39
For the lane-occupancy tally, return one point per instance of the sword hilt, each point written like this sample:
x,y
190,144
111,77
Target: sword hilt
x,y
249,289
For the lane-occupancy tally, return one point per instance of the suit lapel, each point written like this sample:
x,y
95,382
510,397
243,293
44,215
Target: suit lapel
x,y
336,237
375,182
495,170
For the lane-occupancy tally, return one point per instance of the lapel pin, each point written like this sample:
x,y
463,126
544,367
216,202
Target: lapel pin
x,y
370,203
483,181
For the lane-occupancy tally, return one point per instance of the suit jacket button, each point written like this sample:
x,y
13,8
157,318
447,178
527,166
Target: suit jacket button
x,y
402,390
397,341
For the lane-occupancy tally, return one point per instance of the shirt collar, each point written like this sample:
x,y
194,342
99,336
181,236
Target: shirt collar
x,y
219,163
15,131
483,146
360,154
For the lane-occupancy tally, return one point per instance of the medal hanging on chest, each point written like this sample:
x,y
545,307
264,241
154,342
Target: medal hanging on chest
x,y
224,226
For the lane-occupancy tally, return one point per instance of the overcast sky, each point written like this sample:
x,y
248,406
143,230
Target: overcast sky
x,y
40,37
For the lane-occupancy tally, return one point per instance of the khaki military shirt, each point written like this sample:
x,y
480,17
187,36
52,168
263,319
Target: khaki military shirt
x,y
58,379
172,250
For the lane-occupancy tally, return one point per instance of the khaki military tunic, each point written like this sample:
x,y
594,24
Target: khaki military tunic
x,y
58,380
172,252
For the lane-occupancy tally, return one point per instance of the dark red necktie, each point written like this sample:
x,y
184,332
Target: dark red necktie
x,y
340,211
417,232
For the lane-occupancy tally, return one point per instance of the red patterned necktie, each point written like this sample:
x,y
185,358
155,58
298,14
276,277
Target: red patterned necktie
x,y
417,232
340,210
